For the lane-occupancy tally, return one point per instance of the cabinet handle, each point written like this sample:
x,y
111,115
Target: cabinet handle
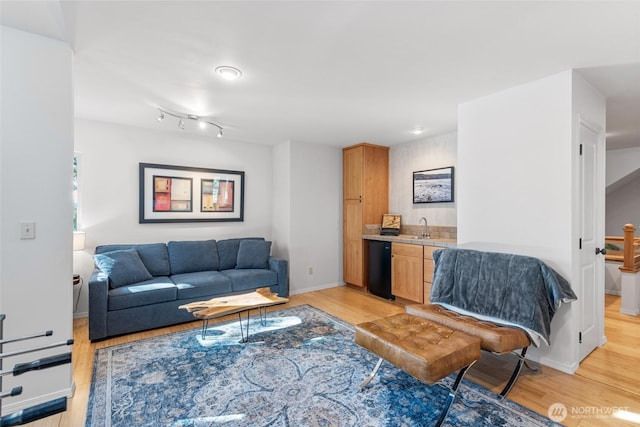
x,y
360,199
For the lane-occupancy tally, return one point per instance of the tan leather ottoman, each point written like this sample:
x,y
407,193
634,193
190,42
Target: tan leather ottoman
x,y
424,349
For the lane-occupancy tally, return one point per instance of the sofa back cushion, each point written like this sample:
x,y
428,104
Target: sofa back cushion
x,y
253,254
123,267
228,251
153,255
192,256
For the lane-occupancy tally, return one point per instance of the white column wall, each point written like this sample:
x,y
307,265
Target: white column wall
x,y
281,227
515,180
316,217
36,166
517,186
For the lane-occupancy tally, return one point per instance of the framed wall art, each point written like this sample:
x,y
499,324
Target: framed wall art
x,y
433,185
188,194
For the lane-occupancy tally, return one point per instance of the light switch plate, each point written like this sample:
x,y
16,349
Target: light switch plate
x,y
27,230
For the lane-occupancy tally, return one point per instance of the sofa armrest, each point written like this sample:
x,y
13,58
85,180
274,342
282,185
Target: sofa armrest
x,y
98,298
281,267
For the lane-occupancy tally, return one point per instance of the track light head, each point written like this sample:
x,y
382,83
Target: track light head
x,y
202,121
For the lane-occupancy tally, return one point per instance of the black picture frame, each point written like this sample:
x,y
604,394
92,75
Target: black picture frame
x,y
433,185
170,193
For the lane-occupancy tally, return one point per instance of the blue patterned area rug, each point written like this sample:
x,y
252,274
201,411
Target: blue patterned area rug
x,y
301,369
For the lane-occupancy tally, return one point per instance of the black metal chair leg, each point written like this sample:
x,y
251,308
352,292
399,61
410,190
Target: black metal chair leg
x,y
530,366
452,394
515,374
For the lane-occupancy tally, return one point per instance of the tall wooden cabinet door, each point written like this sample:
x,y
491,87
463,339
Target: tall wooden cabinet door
x,y
353,173
407,272
376,183
353,248
365,199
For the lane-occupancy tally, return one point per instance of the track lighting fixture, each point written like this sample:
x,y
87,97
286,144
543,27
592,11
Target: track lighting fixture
x,y
202,121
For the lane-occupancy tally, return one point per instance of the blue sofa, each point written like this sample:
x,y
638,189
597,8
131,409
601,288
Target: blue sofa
x,y
136,287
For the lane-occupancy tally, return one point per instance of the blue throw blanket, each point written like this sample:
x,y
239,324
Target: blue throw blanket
x,y
514,288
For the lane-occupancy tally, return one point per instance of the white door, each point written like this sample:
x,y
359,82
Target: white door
x,y
590,290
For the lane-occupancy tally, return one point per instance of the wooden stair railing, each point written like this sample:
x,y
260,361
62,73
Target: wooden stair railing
x,y
624,249
631,263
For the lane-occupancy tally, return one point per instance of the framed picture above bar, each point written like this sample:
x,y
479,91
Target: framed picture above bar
x,y
433,185
187,194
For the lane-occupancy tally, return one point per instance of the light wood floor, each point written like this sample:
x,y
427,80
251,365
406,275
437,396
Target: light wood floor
x,y
609,377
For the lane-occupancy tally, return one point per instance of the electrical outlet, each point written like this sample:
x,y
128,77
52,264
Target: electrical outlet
x,y
310,270
27,230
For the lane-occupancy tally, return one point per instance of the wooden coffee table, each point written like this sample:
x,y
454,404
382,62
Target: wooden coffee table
x,y
218,307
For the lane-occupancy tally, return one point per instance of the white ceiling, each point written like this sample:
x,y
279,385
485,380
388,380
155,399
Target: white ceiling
x,y
334,72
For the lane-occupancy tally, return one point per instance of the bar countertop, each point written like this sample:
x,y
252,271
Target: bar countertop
x,y
413,240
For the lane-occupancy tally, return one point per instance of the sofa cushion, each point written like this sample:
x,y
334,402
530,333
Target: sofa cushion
x,y
228,251
250,279
122,267
156,290
253,254
154,256
190,256
200,284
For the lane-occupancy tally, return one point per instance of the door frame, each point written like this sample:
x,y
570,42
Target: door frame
x,y
599,220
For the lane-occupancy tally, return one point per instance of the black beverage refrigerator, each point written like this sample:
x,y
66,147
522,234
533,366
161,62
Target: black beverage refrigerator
x,y
380,269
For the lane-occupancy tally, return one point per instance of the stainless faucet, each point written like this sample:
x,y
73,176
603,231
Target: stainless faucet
x,y
425,233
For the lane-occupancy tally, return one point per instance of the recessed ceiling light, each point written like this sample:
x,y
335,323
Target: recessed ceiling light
x,y
417,131
228,73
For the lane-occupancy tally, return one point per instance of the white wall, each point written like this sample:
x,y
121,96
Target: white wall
x,y
109,156
281,226
623,206
316,217
36,166
517,183
292,196
514,169
620,164
623,197
404,159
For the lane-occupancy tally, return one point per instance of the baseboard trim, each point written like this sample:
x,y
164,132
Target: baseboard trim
x,y
563,367
630,312
315,288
